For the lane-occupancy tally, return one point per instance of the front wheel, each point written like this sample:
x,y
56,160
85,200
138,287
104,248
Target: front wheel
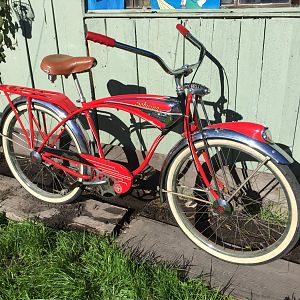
x,y
260,224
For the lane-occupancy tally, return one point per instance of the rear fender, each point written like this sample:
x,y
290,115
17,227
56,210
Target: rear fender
x,y
59,111
272,150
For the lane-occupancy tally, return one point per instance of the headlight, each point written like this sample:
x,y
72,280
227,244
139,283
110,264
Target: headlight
x,y
266,135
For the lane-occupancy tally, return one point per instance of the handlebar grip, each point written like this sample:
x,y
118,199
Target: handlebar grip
x,y
101,39
182,29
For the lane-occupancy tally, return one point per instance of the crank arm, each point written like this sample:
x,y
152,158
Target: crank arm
x,y
88,183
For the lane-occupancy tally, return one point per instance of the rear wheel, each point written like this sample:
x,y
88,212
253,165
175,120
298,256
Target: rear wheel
x,y
261,222
43,180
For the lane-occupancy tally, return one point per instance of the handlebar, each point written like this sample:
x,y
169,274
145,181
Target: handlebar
x,y
182,29
184,70
187,35
100,38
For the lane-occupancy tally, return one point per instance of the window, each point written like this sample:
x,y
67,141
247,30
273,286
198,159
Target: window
x,y
138,4
258,3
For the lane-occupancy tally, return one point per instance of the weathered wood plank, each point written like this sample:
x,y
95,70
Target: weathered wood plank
x,y
99,73
15,70
225,48
220,37
203,30
249,68
71,40
277,72
116,73
161,37
42,43
122,77
292,90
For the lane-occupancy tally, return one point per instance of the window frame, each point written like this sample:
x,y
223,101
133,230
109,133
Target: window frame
x,y
234,5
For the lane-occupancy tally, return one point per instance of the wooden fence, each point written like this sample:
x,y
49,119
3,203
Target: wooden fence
x,y
254,76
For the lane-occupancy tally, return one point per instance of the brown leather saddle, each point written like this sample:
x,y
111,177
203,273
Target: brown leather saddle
x,y
61,64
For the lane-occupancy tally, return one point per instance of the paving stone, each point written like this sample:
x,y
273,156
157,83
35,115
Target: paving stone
x,y
98,217
276,280
16,216
86,223
103,211
18,206
48,214
90,215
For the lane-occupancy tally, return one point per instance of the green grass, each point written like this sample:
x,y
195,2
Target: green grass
x,y
37,262
275,214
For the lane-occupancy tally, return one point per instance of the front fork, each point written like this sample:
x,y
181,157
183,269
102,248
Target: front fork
x,y
189,127
192,123
220,205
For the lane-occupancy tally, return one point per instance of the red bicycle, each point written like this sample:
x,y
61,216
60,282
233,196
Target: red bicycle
x,y
228,185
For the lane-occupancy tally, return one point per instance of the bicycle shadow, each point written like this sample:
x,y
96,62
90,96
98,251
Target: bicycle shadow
x,y
220,111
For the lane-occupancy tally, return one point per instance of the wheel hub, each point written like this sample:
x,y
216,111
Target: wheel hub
x,y
35,157
222,207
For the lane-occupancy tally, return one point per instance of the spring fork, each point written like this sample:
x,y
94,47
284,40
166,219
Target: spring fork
x,y
199,124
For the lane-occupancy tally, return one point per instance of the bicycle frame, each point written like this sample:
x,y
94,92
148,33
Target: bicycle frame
x,y
133,104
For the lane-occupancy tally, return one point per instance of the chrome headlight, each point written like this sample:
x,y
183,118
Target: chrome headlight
x,y
266,135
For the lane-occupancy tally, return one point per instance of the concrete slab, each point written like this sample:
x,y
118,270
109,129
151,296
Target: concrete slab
x,y
276,280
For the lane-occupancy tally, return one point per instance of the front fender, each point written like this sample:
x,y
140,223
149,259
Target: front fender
x,y
272,150
249,129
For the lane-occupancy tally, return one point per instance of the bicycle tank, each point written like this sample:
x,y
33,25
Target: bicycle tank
x,y
162,111
166,110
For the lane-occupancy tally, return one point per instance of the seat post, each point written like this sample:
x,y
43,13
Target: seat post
x,y
78,88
